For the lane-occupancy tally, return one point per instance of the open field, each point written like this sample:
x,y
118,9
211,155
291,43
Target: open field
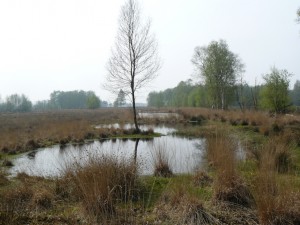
x,y
24,131
263,188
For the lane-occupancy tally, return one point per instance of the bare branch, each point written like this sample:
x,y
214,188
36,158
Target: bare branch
x,y
134,62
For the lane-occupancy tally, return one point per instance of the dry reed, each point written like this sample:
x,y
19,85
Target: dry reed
x,y
103,182
161,161
228,185
277,202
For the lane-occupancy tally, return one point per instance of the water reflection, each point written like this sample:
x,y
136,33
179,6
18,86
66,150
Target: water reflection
x,y
135,149
158,115
183,155
157,129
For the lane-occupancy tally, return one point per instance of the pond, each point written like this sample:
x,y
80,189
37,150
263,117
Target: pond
x,y
158,115
184,154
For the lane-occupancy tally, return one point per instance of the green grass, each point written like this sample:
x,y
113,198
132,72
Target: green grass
x,y
152,188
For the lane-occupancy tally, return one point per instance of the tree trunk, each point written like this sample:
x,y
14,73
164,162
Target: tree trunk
x,y
254,98
222,99
137,129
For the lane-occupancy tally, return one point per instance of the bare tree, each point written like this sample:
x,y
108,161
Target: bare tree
x,y
134,61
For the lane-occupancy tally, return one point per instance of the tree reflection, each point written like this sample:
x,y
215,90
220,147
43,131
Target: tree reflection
x,y
135,148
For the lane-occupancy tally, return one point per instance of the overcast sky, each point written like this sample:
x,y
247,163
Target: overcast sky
x,y
48,45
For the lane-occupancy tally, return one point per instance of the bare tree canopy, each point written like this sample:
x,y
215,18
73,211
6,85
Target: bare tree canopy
x,y
134,61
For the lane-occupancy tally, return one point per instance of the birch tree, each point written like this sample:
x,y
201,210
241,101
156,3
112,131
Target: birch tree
x,y
134,61
275,93
219,68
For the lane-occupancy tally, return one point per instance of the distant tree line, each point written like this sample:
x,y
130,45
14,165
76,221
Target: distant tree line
x,y
16,103
69,100
58,100
222,85
187,94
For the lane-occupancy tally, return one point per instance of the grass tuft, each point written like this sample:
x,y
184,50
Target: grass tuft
x,y
228,185
42,199
202,179
161,161
103,182
179,205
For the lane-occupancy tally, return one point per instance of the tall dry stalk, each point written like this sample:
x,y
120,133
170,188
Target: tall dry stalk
x,y
276,199
228,185
161,161
103,182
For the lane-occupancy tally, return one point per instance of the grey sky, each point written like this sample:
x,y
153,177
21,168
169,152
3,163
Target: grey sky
x,y
48,45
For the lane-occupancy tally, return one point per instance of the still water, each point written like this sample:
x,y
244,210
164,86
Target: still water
x,y
184,154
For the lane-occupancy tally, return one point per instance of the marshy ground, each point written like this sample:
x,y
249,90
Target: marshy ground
x,y
262,188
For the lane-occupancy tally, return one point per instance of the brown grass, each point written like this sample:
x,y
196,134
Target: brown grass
x,y
3,178
104,189
43,198
33,200
13,205
277,202
179,206
277,155
228,185
161,161
27,131
263,121
202,179
102,183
